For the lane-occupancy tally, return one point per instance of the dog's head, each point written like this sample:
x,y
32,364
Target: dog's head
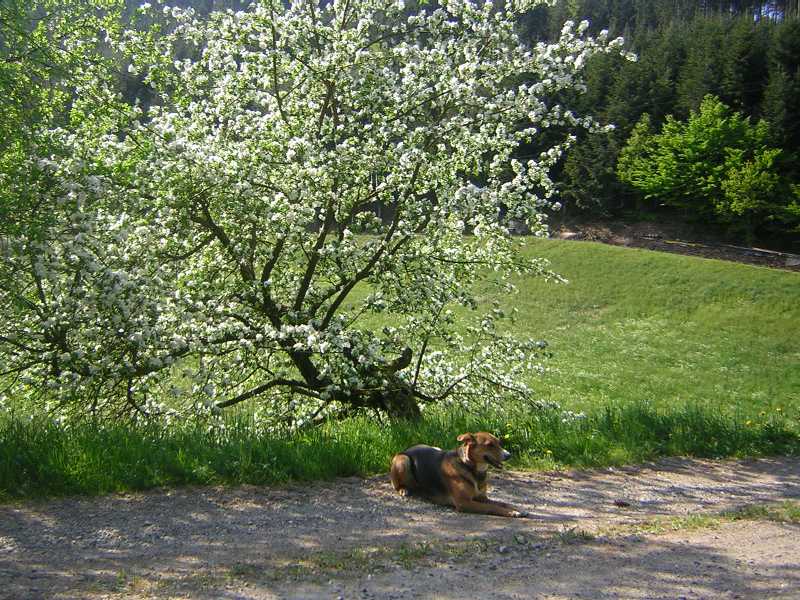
x,y
482,448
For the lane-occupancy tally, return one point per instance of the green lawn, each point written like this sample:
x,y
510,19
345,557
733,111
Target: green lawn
x,y
634,325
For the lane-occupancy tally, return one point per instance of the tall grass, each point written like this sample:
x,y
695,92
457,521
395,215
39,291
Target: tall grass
x,y
39,457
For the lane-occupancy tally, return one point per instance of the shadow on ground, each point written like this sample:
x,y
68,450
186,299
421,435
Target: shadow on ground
x,y
202,542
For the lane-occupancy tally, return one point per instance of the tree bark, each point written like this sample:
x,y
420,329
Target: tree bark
x,y
400,403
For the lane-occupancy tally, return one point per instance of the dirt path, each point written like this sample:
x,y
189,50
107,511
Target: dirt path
x,y
677,238
354,538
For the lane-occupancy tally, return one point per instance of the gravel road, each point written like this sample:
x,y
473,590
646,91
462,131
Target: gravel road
x,y
354,538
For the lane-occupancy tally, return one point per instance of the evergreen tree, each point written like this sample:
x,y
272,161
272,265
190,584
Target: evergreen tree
x,y
701,73
783,88
745,68
745,52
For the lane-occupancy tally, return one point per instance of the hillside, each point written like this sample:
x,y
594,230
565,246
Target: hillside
x,y
637,325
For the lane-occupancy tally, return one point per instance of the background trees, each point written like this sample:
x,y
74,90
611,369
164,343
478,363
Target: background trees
x,y
717,164
745,53
189,207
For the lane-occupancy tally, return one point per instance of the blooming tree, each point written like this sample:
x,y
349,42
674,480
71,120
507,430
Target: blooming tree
x,y
303,169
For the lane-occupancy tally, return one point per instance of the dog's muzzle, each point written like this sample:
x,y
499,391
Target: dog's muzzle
x,y
499,464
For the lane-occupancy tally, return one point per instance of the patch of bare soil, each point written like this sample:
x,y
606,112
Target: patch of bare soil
x,y
354,538
676,238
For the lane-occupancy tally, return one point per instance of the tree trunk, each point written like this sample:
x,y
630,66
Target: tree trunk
x,y
397,399
400,404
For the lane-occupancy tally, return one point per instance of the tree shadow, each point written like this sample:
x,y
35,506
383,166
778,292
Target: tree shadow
x,y
627,568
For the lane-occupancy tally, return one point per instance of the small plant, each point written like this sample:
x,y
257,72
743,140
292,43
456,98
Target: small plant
x,y
786,512
408,555
575,535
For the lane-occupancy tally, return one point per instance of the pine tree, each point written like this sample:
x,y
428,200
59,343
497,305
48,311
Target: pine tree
x,y
745,73
701,73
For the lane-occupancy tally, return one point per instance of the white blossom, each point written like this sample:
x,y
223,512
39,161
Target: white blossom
x,y
246,227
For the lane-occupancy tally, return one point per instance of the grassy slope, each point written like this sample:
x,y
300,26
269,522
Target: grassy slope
x,y
635,325
666,354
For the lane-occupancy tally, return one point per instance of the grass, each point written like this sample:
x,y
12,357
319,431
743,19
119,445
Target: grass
x,y
634,325
40,458
666,355
785,512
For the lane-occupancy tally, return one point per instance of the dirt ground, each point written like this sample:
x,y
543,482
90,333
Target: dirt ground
x,y
355,538
674,237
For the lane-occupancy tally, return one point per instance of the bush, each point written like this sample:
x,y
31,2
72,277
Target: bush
x,y
717,166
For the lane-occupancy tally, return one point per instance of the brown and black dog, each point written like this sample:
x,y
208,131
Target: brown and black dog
x,y
454,478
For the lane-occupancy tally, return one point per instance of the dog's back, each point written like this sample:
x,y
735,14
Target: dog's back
x,y
419,470
426,468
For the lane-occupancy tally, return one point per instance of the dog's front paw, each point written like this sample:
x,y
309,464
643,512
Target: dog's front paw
x,y
519,514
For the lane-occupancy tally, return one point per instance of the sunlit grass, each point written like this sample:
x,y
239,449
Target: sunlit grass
x,y
634,325
39,457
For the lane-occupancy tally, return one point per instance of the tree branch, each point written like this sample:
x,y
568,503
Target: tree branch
x,y
365,271
314,259
425,345
189,253
298,386
448,390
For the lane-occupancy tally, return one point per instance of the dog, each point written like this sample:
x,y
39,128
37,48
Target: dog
x,y
453,478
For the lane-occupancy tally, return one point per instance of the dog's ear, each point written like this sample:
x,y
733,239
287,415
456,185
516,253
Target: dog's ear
x,y
465,451
467,438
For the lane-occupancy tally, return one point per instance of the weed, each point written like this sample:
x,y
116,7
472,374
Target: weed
x,y
574,535
786,512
